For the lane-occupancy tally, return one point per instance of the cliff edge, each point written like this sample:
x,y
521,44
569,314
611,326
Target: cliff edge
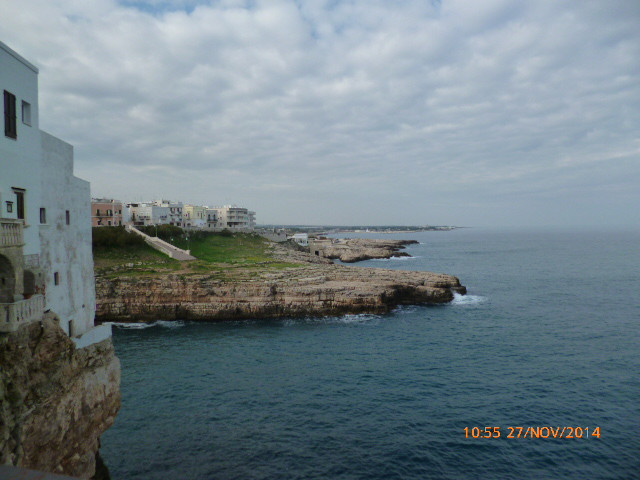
x,y
55,400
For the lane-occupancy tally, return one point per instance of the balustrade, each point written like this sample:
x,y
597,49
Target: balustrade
x,y
13,315
11,233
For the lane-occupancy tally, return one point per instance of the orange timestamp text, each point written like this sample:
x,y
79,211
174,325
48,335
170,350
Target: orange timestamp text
x,y
532,432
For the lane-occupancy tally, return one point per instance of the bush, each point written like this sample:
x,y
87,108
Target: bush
x,y
114,237
165,232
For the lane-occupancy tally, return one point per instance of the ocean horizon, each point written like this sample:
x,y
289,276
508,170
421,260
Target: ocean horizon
x,y
545,341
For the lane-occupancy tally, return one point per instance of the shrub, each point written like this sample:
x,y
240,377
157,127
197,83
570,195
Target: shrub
x,y
114,237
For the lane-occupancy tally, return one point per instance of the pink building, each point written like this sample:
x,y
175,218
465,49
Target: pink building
x,y
105,212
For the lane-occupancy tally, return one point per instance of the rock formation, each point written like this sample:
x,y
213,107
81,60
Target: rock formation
x,y
55,400
312,289
357,249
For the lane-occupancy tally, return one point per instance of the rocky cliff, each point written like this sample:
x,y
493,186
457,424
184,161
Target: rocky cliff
x,y
55,400
357,249
306,290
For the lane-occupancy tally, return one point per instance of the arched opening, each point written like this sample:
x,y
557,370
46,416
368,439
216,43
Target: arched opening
x,y
7,280
29,283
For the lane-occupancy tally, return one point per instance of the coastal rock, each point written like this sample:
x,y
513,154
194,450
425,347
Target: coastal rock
x,y
310,290
358,249
55,400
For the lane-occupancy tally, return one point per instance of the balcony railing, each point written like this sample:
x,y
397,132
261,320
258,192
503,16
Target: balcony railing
x,y
13,315
11,233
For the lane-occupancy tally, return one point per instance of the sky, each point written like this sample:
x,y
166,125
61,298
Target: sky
x,y
369,112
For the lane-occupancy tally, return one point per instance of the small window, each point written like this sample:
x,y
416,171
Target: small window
x,y
9,207
10,129
43,215
56,278
26,113
67,217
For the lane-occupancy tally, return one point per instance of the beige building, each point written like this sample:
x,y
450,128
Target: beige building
x,y
194,216
106,212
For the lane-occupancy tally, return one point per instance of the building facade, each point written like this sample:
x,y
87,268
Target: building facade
x,y
143,214
46,261
194,216
106,212
235,218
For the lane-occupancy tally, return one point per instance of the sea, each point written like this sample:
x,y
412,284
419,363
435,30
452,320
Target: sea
x,y
534,374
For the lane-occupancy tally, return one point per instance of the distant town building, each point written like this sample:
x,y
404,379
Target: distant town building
x,y
142,214
175,212
212,218
301,239
233,217
106,212
46,261
194,216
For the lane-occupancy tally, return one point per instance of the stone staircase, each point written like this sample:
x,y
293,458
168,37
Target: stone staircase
x,y
162,246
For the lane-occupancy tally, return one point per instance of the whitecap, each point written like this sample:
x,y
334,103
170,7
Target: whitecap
x,y
142,326
130,326
467,299
394,258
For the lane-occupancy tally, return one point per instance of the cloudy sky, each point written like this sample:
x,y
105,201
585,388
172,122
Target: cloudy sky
x,y
451,112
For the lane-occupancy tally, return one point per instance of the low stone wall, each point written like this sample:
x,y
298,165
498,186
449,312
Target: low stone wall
x,y
96,335
14,315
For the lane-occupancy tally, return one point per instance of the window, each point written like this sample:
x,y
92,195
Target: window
x,y
10,115
19,192
67,217
43,215
26,113
98,212
9,207
56,278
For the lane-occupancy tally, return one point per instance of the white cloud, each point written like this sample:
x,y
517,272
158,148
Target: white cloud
x,y
365,107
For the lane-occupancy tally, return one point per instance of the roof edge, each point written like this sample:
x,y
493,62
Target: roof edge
x,y
18,57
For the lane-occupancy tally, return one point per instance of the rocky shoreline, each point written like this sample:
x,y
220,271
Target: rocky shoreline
x,y
351,250
315,288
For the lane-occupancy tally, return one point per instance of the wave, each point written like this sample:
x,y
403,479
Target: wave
x,y
348,319
394,258
467,299
142,326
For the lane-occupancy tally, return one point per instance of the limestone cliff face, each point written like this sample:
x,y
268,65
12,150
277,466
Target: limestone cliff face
x,y
55,400
357,249
309,290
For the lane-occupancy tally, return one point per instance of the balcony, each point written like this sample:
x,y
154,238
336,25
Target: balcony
x,y
14,315
11,233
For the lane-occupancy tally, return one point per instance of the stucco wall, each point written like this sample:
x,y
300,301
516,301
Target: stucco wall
x,y
66,249
20,157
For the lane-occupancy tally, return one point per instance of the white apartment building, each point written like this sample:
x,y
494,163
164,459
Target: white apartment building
x,y
174,213
142,214
233,217
46,261
212,218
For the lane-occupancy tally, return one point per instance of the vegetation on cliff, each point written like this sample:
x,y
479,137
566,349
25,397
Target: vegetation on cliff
x,y
223,254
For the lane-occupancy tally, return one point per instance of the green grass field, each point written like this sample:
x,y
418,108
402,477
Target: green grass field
x,y
222,255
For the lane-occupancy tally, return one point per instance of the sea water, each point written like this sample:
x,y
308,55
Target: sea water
x,y
548,336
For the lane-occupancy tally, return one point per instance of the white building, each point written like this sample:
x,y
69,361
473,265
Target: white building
x,y
174,211
142,214
46,261
301,239
212,218
233,217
